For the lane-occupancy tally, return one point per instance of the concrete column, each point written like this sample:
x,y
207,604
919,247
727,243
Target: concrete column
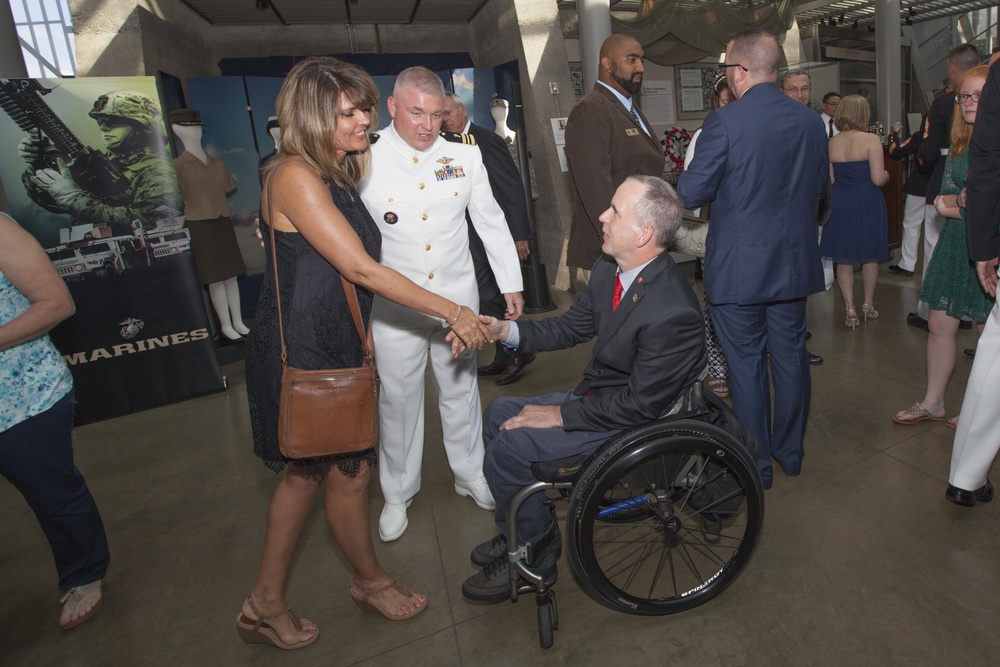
x,y
11,65
595,27
11,58
887,62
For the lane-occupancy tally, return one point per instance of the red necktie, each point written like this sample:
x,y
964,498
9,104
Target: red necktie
x,y
616,298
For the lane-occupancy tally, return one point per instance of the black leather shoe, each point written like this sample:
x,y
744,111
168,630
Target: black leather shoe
x,y
899,271
970,352
491,585
809,334
915,320
484,553
965,324
496,368
814,359
514,368
983,494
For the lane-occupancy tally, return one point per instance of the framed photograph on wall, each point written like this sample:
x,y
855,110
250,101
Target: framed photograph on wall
x,y
694,84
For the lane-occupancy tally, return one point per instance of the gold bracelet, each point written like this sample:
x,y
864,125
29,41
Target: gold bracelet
x,y
455,321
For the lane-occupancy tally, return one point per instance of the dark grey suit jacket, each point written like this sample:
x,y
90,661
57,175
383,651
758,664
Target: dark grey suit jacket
x,y
647,351
604,146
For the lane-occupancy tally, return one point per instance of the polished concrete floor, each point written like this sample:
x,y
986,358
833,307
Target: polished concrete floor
x,y
862,562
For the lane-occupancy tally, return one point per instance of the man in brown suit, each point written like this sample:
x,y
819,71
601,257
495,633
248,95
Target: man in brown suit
x,y
608,139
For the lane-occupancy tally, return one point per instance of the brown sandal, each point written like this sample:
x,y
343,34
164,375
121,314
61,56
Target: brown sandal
x,y
362,597
258,631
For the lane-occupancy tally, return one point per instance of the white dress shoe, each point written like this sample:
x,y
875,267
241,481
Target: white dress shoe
x,y
392,524
479,490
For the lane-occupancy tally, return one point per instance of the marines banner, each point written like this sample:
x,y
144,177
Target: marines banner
x,y
91,178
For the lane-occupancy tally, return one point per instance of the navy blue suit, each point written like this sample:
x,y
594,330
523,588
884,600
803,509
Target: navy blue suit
x,y
762,162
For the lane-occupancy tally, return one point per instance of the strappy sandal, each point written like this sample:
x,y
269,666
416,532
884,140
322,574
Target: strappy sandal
x,y
719,387
259,631
916,413
953,422
74,597
363,598
869,312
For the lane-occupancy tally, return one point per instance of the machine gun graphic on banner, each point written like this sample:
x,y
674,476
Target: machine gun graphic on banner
x,y
22,100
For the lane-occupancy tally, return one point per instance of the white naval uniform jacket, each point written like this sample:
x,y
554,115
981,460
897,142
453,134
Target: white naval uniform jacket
x,y
418,199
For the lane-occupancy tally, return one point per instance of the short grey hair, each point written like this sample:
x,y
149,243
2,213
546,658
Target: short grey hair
x,y
456,99
659,207
791,73
420,79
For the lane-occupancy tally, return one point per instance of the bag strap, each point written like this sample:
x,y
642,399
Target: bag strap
x,y
350,292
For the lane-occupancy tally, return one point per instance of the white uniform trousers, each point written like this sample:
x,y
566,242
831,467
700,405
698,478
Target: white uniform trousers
x,y
933,224
977,438
401,355
914,211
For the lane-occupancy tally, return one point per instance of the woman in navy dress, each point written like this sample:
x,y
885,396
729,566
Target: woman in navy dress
x,y
858,230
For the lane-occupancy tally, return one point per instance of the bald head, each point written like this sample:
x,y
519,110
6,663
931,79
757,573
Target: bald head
x,y
621,65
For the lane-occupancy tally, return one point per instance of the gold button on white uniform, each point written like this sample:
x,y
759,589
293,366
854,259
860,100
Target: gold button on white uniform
x,y
421,186
423,217
416,160
427,247
430,276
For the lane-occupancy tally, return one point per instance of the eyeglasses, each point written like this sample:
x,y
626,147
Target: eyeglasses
x,y
725,65
803,89
962,98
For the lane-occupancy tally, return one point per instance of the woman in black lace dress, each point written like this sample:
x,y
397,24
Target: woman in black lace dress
x,y
322,231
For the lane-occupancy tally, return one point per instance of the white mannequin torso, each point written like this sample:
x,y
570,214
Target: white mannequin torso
x,y
275,133
498,109
190,136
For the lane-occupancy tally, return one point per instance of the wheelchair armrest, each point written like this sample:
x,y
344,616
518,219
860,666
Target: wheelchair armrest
x,y
690,404
560,470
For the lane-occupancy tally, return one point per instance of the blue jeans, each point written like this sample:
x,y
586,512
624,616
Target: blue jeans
x,y
37,457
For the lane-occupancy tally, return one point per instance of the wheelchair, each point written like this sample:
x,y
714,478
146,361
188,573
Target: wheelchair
x,y
662,517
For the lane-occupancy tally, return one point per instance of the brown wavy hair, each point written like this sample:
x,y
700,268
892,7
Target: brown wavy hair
x,y
307,108
961,131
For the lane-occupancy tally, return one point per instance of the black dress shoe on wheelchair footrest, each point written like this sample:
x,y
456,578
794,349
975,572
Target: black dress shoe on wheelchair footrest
x,y
484,553
983,494
491,585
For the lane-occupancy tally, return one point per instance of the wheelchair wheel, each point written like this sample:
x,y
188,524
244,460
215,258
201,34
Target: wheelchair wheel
x,y
665,518
546,626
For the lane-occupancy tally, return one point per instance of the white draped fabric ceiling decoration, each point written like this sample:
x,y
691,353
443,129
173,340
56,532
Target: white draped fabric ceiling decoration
x,y
679,31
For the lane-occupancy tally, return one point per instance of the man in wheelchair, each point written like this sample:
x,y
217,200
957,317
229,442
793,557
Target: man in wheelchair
x,y
650,346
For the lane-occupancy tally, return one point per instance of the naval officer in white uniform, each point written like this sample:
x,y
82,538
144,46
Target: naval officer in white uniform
x,y
418,190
